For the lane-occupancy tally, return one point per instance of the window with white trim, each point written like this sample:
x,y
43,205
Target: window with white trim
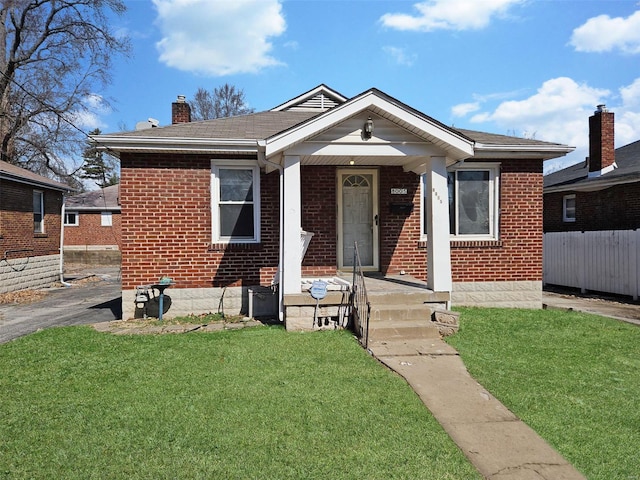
x,y
569,208
106,219
38,211
71,219
473,201
235,201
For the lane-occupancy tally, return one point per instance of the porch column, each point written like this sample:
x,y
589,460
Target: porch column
x,y
291,255
438,247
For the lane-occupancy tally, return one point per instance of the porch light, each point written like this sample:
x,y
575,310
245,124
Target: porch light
x,y
367,129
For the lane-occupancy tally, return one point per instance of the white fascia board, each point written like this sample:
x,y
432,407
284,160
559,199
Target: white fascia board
x,y
460,147
92,209
545,152
195,145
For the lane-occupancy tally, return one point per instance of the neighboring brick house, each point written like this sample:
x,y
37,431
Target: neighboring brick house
x,y
218,205
601,193
92,227
30,223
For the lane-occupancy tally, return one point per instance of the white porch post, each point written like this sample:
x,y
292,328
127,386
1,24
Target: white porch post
x,y
438,247
291,255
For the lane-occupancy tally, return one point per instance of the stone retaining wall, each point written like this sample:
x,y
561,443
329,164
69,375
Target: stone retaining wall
x,y
29,272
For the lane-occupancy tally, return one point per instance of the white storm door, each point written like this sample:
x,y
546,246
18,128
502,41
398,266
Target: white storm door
x,y
358,217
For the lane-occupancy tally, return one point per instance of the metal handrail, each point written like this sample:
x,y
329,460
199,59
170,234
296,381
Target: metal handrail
x,y
360,306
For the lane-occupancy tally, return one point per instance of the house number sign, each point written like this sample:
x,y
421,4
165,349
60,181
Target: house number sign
x,y
398,191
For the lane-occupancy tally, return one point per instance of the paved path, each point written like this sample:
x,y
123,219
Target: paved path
x,y
84,303
499,445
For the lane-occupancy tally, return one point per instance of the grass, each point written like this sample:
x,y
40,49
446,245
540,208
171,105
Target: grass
x,y
574,378
248,404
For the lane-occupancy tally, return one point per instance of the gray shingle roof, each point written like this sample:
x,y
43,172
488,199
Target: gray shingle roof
x,y
256,126
105,198
627,160
10,171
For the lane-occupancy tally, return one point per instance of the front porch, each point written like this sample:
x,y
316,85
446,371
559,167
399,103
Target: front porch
x,y
399,306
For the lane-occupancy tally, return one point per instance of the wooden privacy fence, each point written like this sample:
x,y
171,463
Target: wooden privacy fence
x,y
606,261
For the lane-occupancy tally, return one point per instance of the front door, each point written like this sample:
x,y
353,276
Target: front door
x,y
358,217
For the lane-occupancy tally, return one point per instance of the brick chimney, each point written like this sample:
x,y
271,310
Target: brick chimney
x,y
180,111
602,155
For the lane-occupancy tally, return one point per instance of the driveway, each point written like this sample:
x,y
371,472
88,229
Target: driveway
x,y
95,296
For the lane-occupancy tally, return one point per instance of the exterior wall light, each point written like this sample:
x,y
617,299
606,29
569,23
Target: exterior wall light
x,y
367,129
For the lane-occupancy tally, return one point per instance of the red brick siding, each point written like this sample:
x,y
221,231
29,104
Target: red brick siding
x,y
616,208
517,256
166,226
16,221
90,231
400,233
319,209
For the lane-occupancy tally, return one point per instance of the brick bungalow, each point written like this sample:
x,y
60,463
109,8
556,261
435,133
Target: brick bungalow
x,y
92,227
30,224
218,205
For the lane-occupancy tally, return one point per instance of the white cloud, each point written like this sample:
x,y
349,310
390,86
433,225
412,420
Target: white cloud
x,y
400,56
559,111
604,34
449,15
219,38
464,109
89,117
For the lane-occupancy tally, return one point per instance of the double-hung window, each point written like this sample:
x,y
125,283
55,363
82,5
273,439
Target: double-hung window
x,y
235,198
473,201
38,211
569,208
71,219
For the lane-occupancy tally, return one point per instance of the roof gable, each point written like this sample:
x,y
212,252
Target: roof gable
x,y
455,144
317,100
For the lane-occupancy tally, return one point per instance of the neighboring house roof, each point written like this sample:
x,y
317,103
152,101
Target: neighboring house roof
x,y
309,115
22,175
105,199
576,177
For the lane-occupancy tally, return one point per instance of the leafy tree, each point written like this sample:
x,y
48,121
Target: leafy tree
x,y
97,166
55,55
225,101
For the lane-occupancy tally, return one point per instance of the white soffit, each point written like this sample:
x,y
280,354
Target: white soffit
x,y
456,146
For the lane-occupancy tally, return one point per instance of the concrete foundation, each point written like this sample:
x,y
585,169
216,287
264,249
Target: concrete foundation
x,y
93,255
186,301
525,294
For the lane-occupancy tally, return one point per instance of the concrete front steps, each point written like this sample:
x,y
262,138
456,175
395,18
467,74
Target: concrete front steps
x,y
409,315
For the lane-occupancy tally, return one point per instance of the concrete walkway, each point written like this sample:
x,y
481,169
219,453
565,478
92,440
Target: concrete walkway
x,y
499,445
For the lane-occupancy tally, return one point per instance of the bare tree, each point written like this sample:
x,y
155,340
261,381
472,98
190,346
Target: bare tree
x,y
56,56
225,101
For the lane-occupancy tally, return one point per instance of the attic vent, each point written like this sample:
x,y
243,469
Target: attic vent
x,y
317,102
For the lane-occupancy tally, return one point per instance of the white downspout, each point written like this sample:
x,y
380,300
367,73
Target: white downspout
x,y
62,214
262,157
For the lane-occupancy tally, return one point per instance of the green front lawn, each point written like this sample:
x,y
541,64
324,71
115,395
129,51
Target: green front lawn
x,y
572,377
256,403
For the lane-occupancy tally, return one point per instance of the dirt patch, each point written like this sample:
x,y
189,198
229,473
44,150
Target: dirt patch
x,y
22,297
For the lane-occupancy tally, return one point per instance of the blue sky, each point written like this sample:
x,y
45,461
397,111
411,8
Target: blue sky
x,y
518,67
